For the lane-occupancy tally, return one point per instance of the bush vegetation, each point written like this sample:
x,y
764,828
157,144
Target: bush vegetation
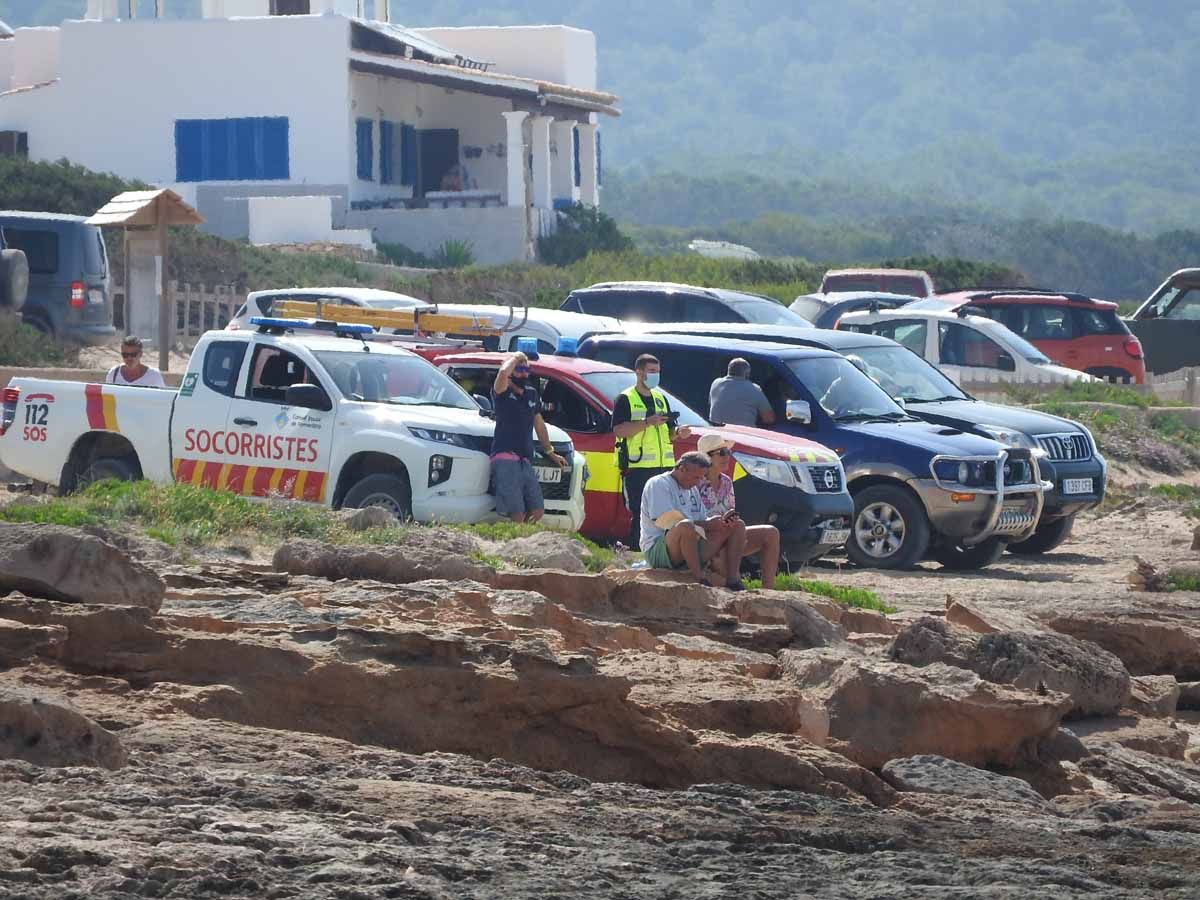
x,y
859,598
21,345
582,230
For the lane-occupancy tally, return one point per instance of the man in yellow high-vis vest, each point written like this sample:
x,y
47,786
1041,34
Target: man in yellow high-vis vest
x,y
644,435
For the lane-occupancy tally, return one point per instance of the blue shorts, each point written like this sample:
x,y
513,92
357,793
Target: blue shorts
x,y
516,487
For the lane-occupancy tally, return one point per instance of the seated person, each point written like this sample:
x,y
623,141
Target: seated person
x,y
675,534
718,499
453,179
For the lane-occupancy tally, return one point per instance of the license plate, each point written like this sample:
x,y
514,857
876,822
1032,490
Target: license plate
x,y
835,535
548,474
1077,485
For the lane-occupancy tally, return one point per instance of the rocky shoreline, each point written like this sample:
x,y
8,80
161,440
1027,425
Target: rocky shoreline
x,y
362,722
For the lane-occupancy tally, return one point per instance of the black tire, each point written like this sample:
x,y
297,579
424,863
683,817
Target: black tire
x,y
391,492
104,468
966,559
1047,536
905,528
14,279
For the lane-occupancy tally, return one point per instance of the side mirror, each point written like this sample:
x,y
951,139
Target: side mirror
x,y
485,403
900,402
799,411
1006,363
307,396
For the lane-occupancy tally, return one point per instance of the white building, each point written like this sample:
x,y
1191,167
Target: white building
x,y
281,120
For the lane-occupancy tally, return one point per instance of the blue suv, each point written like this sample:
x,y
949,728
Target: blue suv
x,y
920,490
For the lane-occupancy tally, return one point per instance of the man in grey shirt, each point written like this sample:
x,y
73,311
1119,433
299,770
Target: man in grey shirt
x,y
736,400
675,533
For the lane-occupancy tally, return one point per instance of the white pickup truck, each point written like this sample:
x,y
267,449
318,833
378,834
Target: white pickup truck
x,y
289,412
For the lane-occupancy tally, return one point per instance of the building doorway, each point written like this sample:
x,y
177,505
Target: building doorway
x,y
438,154
290,7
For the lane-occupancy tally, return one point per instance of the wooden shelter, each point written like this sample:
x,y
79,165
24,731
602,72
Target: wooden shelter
x,y
145,216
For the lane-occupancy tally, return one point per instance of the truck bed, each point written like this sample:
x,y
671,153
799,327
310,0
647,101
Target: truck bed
x,y
53,417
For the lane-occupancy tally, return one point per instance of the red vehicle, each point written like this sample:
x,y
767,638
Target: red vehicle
x,y
795,484
1074,330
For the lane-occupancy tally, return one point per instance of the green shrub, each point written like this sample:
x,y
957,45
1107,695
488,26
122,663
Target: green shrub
x,y
453,254
21,345
400,255
1081,392
582,230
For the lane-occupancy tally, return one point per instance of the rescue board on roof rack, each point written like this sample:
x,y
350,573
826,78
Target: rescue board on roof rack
x,y
404,319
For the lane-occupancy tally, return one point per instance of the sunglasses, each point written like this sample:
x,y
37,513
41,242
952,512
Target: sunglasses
x,y
133,355
722,452
521,369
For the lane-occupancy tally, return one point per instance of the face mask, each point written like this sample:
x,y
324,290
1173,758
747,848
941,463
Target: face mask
x,y
652,379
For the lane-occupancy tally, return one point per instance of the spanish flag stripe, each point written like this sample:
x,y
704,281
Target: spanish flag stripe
x,y
235,478
248,480
287,482
223,476
262,481
297,490
273,483
109,407
197,472
314,487
94,400
212,471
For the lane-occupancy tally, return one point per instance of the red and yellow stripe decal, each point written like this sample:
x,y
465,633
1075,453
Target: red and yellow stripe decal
x,y
252,481
101,408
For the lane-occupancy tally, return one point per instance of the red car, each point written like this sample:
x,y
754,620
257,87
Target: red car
x,y
795,484
1074,330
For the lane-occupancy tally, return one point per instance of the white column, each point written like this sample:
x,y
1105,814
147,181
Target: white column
x,y
514,158
589,184
563,170
539,145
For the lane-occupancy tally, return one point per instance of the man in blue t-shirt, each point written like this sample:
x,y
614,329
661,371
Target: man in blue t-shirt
x,y
518,415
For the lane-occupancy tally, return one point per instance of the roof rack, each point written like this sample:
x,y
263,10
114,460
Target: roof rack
x,y
419,321
983,292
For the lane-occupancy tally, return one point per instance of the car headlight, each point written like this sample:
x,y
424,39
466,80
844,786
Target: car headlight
x,y
964,472
774,471
1009,437
442,437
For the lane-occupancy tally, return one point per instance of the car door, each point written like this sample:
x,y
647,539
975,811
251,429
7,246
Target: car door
x,y
270,448
965,352
201,411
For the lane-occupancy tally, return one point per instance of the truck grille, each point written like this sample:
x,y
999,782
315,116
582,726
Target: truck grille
x,y
561,490
1014,521
1063,447
826,479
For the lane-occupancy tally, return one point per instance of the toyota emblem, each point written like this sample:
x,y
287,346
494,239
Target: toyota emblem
x,y
830,480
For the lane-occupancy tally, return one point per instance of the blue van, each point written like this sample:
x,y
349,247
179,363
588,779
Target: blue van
x,y
69,296
1072,463
920,489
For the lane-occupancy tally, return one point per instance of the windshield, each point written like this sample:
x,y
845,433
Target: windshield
x,y
1026,349
765,312
808,308
905,375
842,390
388,378
609,384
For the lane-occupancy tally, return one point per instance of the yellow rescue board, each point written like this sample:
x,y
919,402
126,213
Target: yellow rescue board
x,y
431,322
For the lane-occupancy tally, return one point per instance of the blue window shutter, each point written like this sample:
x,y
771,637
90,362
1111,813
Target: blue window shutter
x,y
365,144
408,154
276,162
188,159
578,168
599,160
247,145
385,152
218,140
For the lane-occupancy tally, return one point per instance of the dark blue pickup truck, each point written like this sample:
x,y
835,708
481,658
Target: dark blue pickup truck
x,y
1072,462
919,489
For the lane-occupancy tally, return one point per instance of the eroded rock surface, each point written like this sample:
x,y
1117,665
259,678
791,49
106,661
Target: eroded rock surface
x,y
67,564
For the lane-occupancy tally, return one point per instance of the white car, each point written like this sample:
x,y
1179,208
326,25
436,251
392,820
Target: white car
x,y
547,326
964,347
294,412
260,303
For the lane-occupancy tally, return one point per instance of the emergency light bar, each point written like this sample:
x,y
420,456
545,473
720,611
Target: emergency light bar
x,y
268,323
